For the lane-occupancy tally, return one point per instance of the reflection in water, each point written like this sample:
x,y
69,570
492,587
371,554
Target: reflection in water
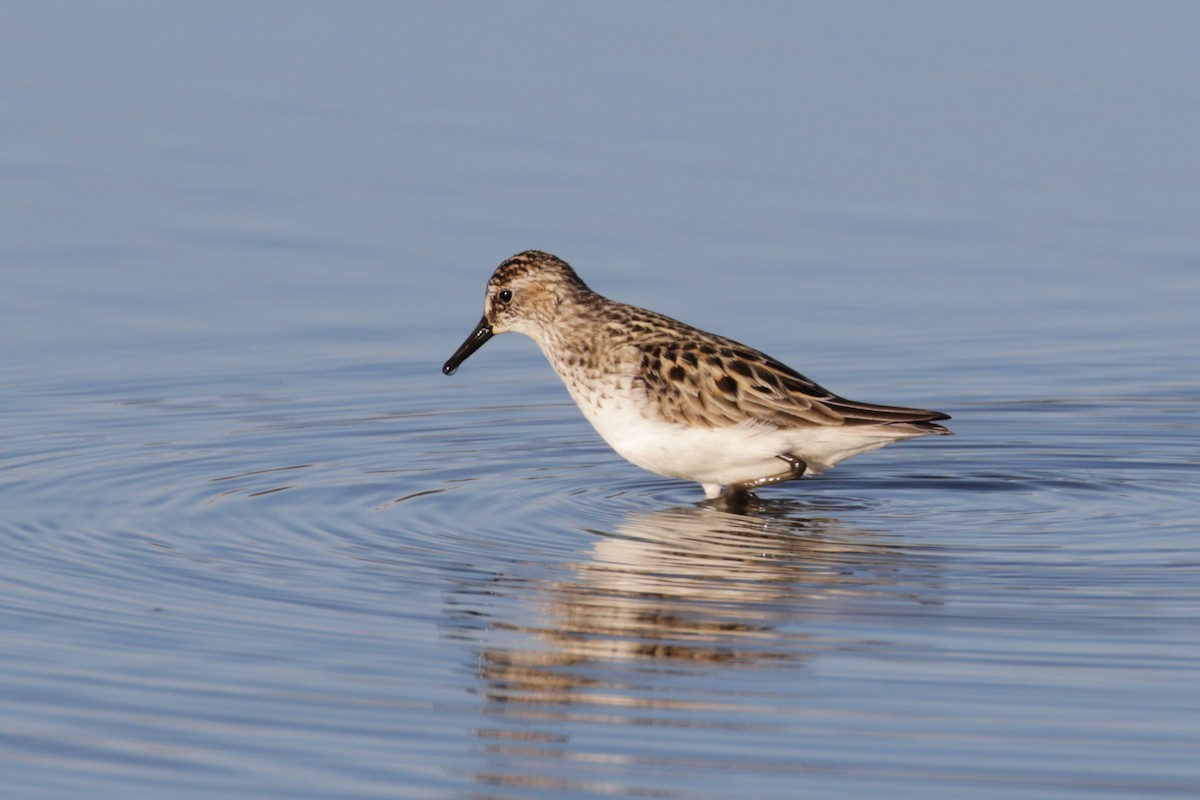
x,y
652,620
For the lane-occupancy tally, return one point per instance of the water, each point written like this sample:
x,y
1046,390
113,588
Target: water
x,y
255,543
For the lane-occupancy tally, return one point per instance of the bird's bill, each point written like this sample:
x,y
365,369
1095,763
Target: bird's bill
x,y
478,337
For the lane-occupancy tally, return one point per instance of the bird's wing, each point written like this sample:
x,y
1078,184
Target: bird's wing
x,y
714,382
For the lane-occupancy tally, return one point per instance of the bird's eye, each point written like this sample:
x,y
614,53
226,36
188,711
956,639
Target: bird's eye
x,y
504,296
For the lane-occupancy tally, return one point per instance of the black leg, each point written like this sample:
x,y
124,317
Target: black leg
x,y
795,469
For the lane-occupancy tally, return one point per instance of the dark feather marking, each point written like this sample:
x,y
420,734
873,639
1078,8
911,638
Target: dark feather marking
x,y
741,368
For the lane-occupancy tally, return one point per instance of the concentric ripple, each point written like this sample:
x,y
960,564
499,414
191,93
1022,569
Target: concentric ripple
x,y
239,575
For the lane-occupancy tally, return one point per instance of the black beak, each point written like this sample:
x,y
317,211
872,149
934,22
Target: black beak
x,y
479,336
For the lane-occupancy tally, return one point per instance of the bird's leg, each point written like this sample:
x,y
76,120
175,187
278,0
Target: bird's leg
x,y
795,469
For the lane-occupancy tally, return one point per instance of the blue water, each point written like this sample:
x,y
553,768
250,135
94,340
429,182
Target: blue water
x,y
252,542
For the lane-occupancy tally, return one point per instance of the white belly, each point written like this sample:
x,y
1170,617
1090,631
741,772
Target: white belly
x,y
715,457
708,455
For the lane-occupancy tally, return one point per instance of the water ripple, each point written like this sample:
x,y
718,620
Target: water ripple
x,y
226,552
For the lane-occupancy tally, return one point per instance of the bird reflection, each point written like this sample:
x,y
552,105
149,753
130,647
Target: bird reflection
x,y
692,587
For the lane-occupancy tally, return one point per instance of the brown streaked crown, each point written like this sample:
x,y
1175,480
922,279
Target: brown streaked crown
x,y
538,264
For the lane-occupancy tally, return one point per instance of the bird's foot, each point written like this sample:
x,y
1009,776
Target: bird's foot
x,y
795,469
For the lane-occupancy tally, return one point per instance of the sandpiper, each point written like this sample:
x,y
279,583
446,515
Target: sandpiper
x,y
677,400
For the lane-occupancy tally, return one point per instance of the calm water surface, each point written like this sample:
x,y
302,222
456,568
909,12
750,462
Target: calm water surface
x,y
254,543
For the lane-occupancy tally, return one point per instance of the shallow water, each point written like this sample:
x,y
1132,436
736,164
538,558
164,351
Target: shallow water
x,y
255,543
